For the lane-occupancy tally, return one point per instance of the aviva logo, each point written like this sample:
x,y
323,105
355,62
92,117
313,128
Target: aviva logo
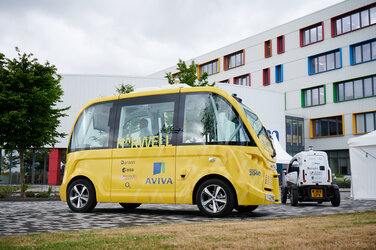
x,y
159,168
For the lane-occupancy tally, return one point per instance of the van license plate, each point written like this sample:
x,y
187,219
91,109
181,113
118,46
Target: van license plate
x,y
270,197
316,193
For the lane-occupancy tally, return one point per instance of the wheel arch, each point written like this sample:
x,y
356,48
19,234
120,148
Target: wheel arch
x,y
77,178
213,176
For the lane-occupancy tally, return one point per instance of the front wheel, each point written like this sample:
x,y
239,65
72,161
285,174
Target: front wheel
x,y
215,198
81,196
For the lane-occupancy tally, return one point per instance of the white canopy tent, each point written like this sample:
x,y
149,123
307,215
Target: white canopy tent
x,y
282,156
363,166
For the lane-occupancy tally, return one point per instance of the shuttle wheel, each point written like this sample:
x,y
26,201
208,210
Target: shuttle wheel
x,y
336,199
215,198
81,196
130,206
294,197
245,209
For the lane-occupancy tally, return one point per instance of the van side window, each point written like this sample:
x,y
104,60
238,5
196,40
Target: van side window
x,y
146,125
92,128
210,119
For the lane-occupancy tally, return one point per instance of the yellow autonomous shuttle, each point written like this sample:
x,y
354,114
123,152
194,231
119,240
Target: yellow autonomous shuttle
x,y
178,145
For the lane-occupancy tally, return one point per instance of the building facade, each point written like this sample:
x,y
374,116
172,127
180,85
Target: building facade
x,y
325,66
312,81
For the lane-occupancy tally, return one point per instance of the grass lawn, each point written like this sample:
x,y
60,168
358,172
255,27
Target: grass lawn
x,y
340,231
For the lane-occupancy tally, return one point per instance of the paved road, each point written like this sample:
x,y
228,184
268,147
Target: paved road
x,y
53,216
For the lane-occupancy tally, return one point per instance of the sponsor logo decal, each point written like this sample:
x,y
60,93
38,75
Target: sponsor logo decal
x,y
158,169
253,172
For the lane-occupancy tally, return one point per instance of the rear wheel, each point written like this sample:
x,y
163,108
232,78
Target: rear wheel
x,y
294,197
283,195
81,196
336,199
130,206
215,198
245,209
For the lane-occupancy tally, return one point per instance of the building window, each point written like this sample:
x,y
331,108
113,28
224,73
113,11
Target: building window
x,y
313,96
339,161
268,48
355,89
324,62
244,80
363,52
328,126
280,44
311,34
364,122
225,81
294,135
234,60
266,76
210,67
354,20
279,73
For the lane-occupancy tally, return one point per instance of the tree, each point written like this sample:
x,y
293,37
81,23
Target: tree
x,y
124,89
188,75
29,93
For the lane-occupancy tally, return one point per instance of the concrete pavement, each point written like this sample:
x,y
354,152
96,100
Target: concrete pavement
x,y
54,216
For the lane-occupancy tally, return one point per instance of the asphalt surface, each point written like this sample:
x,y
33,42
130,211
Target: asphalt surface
x,y
53,216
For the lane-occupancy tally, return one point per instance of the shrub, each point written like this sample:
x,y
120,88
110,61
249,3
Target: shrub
x,y
6,191
344,183
43,195
29,194
49,190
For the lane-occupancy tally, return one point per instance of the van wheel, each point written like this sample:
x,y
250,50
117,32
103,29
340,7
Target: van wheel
x,y
130,206
215,198
81,196
245,209
336,199
294,197
284,195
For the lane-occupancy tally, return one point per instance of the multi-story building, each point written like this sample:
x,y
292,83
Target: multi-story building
x,y
325,66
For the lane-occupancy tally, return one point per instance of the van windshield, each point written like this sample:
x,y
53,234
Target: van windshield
x,y
260,130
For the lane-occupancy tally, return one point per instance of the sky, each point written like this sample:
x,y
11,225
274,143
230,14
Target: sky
x,y
138,37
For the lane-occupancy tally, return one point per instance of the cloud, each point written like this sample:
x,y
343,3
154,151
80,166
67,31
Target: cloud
x,y
135,37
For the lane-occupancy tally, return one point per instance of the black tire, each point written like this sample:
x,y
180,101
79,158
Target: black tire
x,y
246,209
81,196
215,198
336,199
284,195
130,206
294,197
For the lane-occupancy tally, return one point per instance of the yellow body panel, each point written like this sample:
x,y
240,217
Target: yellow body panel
x,y
170,174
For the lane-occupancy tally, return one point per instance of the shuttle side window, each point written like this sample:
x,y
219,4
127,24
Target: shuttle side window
x,y
210,119
147,124
92,129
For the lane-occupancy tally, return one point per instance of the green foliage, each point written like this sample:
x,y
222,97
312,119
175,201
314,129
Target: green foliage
x,y
6,191
188,75
343,183
24,187
124,88
29,93
42,195
49,190
30,194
